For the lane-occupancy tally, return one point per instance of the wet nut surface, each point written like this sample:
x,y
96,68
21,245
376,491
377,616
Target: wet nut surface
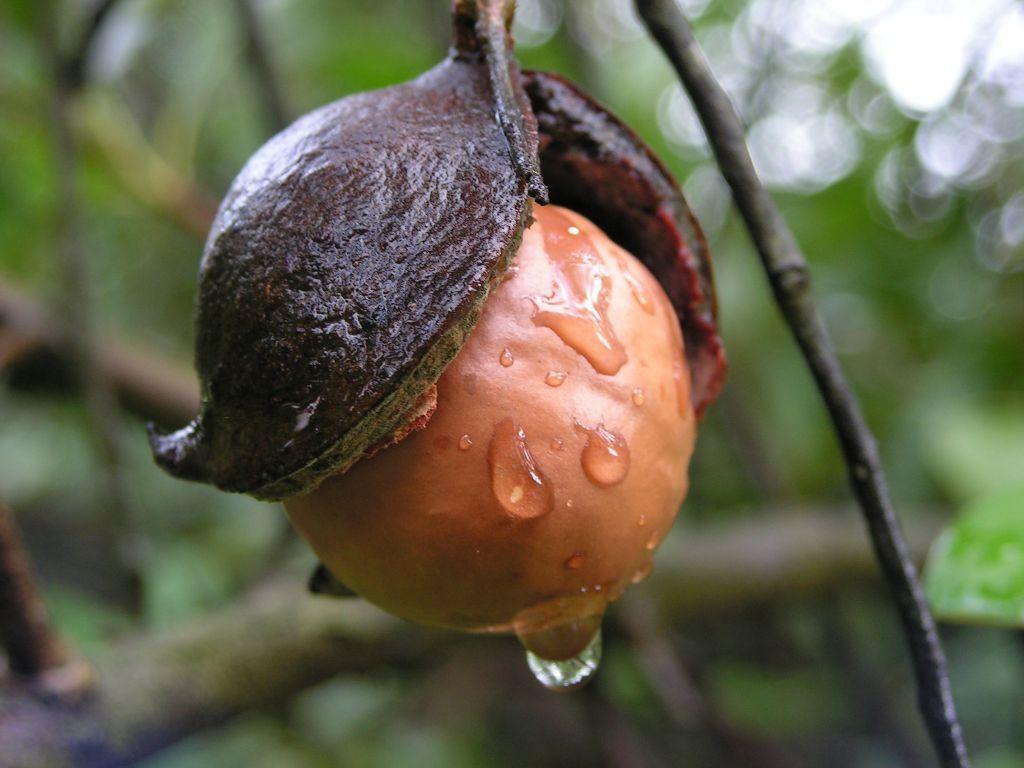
x,y
553,465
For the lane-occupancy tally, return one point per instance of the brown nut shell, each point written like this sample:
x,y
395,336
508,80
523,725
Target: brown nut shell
x,y
343,271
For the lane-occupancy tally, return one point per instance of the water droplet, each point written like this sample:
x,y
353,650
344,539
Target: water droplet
x,y
569,503
573,230
605,457
561,627
641,521
561,637
557,443
643,571
636,286
652,543
638,396
577,308
555,378
567,674
639,292
505,358
576,560
465,443
516,479
304,414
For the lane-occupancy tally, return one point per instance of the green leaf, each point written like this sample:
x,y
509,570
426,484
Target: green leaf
x,y
975,572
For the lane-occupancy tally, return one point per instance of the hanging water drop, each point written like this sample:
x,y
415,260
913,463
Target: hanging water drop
x,y
567,674
505,358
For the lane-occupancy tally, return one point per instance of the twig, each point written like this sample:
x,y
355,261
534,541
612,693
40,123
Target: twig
x,y
73,67
481,28
747,439
35,357
152,690
783,553
77,300
680,693
787,273
31,645
109,127
619,742
870,696
258,53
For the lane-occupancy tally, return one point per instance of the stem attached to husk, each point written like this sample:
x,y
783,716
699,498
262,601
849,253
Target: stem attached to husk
x,y
482,28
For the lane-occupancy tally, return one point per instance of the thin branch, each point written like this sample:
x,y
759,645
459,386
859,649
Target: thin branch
x,y
617,738
31,645
154,689
77,296
73,67
481,28
746,438
783,553
682,694
787,273
34,356
109,127
880,713
257,51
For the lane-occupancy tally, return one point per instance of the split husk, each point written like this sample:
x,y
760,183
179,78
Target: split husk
x,y
349,260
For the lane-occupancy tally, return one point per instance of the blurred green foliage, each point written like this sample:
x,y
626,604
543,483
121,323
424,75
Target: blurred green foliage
x,y
976,570
913,220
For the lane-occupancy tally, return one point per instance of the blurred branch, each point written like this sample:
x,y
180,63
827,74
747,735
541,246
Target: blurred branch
x,y
872,698
77,304
787,273
746,438
154,689
31,645
73,66
620,743
258,53
109,126
34,355
681,693
780,554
